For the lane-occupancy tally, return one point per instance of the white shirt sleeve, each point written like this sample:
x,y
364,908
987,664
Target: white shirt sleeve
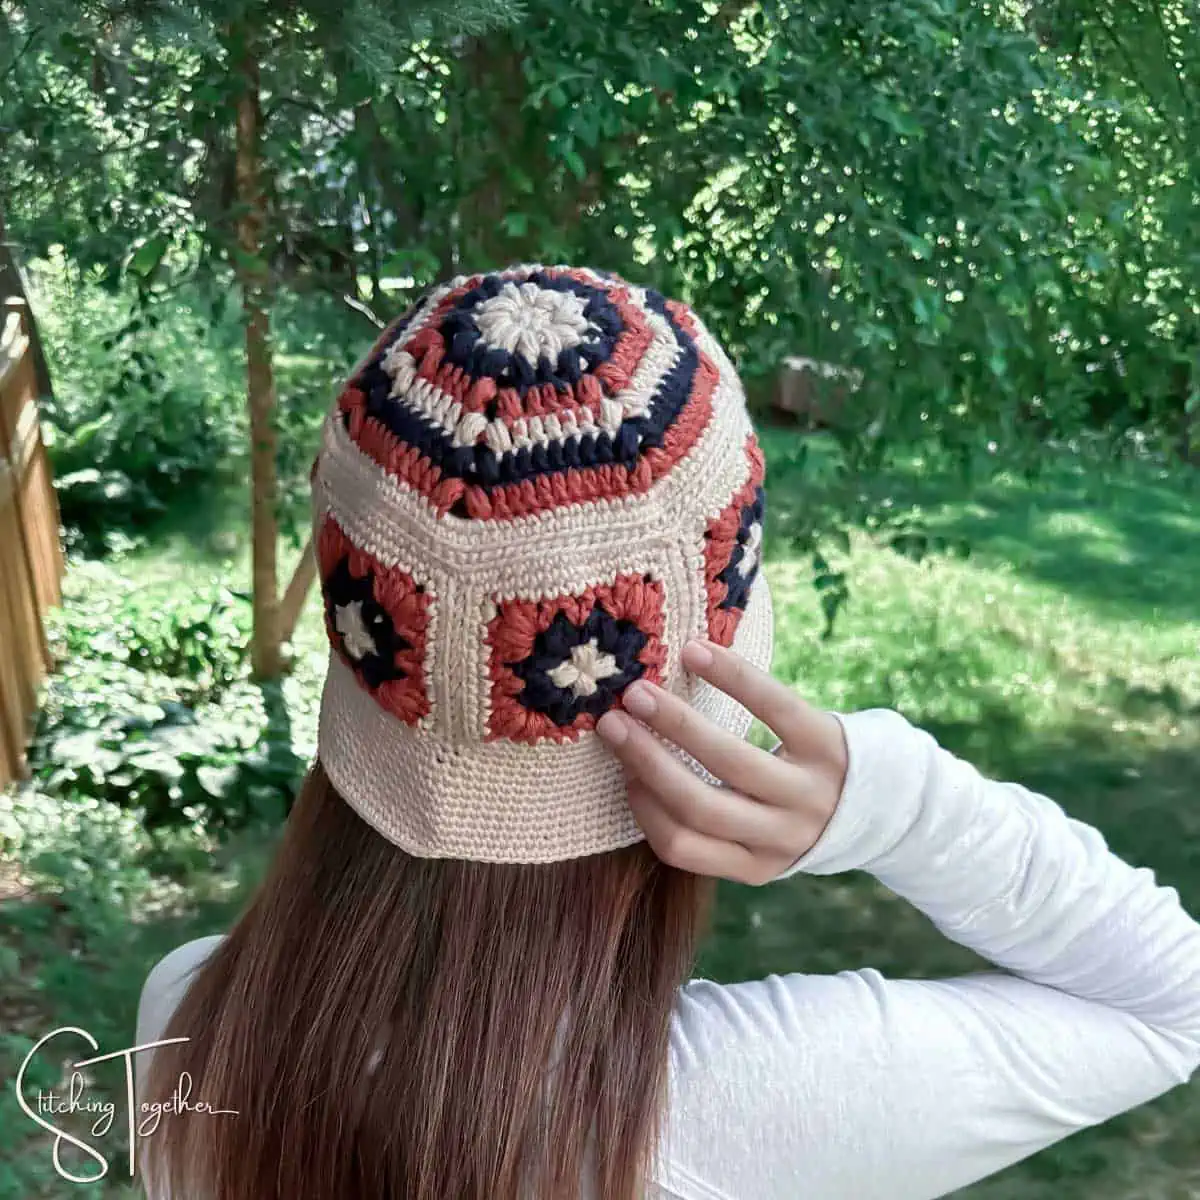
x,y
856,1087
164,988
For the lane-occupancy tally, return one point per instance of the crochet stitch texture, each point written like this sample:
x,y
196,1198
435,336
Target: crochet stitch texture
x,y
535,488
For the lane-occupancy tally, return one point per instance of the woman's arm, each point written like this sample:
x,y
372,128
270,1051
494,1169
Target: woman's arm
x,y
855,1087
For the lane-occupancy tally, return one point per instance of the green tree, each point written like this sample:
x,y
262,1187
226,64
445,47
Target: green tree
x,y
977,208
209,109
1140,55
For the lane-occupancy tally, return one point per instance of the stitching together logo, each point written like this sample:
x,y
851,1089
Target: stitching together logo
x,y
143,1118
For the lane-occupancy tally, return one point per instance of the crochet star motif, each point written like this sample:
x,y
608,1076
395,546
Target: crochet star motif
x,y
511,394
585,668
751,550
356,638
533,322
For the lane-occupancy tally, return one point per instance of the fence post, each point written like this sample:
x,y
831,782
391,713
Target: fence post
x,y
12,700
20,439
39,500
30,553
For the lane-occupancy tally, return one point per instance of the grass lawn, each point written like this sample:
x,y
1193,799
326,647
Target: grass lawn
x,y
1064,652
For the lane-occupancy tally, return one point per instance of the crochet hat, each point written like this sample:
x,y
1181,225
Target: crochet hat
x,y
536,487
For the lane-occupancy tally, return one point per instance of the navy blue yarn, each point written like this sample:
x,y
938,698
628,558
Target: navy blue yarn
x,y
737,585
480,465
465,348
340,587
673,391
618,637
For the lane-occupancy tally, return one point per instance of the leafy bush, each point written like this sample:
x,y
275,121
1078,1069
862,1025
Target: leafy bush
x,y
178,766
74,949
86,850
200,642
149,403
146,403
151,709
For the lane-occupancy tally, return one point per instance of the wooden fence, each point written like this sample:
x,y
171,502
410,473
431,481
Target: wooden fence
x,y
31,561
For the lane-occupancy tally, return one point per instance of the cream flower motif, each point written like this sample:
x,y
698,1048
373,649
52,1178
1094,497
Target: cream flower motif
x,y
751,550
348,618
533,322
582,673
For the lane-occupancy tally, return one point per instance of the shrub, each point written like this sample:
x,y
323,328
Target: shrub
x,y
151,708
146,400
149,394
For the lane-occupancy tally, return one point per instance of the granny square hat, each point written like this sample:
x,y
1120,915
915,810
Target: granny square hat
x,y
533,490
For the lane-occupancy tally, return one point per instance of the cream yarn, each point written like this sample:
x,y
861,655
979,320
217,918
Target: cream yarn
x,y
536,487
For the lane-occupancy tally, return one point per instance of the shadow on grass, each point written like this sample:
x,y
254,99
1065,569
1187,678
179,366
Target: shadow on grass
x,y
1127,550
1123,537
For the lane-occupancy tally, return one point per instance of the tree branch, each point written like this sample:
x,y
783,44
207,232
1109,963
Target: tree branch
x,y
20,54
1135,78
309,106
362,309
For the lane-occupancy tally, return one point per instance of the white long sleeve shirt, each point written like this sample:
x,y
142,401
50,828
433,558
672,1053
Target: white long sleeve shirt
x,y
857,1087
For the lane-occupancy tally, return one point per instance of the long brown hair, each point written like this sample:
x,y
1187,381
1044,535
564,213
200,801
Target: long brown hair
x,y
386,1025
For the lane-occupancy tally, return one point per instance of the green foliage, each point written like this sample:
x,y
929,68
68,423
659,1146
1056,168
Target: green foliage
x,y
317,341
91,854
990,218
119,120
152,710
916,191
1145,259
149,410
74,951
198,643
144,406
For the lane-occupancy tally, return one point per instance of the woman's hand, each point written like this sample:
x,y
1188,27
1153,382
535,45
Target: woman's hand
x,y
774,806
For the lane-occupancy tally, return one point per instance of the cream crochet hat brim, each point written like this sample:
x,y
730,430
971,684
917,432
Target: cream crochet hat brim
x,y
497,801
536,487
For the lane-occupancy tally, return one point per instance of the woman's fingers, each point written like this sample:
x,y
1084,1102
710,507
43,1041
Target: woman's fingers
x,y
796,723
689,849
685,799
732,760
773,808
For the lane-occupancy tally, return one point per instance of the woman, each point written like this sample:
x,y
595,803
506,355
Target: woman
x,y
538,511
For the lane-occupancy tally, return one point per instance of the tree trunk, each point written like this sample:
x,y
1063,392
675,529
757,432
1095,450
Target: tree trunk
x,y
254,279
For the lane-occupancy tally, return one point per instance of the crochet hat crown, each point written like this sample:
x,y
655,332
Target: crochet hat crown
x,y
533,490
